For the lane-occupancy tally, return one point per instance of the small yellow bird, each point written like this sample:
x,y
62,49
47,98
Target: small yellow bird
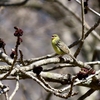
x,y
59,46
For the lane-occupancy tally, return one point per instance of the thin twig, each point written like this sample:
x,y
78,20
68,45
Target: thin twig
x,y
21,57
98,14
6,96
82,38
16,88
78,49
46,84
14,4
88,93
92,28
93,63
83,18
14,61
71,87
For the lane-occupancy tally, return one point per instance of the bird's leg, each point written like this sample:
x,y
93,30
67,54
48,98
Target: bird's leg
x,y
61,58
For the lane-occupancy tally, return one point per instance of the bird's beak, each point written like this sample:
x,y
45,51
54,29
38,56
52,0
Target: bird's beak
x,y
52,37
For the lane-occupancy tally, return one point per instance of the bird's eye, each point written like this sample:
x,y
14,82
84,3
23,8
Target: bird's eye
x,y
54,36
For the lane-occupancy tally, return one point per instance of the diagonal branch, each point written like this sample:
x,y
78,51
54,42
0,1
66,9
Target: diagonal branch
x,y
87,33
92,28
88,93
14,4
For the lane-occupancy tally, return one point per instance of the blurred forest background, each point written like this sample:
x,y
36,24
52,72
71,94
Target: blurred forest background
x,y
39,19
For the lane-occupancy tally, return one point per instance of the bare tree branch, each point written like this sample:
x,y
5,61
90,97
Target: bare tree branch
x,y
86,35
6,96
24,68
14,4
16,88
88,93
92,28
89,9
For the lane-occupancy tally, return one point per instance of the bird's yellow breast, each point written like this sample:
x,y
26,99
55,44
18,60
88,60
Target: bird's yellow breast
x,y
56,48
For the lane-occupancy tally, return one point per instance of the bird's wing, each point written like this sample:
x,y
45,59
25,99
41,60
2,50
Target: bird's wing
x,y
63,47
